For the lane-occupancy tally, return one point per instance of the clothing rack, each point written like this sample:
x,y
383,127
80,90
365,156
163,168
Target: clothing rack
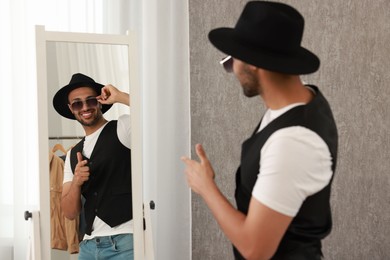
x,y
65,137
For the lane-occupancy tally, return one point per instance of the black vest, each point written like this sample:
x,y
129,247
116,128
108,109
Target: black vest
x,y
108,192
313,222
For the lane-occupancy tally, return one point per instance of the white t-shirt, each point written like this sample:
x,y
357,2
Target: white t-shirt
x,y
99,227
295,163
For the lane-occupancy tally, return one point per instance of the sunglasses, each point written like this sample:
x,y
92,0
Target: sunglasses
x,y
227,64
90,102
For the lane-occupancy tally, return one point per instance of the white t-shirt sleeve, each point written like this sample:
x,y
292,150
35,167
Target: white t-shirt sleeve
x,y
295,163
68,174
124,130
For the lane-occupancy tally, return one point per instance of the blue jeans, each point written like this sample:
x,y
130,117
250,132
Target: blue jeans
x,y
110,247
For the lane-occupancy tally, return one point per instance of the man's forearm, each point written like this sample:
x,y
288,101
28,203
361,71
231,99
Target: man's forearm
x,y
229,219
256,236
124,98
71,201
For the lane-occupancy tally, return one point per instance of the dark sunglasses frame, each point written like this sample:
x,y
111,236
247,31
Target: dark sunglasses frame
x,y
90,102
227,64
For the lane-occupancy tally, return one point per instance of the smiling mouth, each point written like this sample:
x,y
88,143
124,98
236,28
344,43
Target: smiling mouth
x,y
86,114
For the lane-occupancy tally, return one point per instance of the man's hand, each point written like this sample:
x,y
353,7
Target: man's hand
x,y
81,173
200,175
111,95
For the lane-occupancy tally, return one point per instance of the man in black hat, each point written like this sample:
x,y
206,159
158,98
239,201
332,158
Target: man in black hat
x,y
284,181
98,169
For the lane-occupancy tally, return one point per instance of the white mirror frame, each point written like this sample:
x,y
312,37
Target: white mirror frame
x,y
42,37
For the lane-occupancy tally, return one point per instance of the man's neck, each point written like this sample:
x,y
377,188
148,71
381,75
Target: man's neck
x,y
282,90
91,129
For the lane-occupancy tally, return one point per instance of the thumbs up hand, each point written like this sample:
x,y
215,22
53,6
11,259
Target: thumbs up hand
x,y
200,175
81,173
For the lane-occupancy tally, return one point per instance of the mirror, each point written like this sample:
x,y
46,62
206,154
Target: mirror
x,y
105,63
108,59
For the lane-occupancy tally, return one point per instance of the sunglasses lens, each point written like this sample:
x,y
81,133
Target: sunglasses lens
x,y
227,64
90,102
76,106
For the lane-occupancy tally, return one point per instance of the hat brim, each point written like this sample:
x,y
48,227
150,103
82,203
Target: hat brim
x,y
301,61
60,99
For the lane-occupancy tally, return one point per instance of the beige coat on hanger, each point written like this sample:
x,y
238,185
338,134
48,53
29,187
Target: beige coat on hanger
x,y
64,232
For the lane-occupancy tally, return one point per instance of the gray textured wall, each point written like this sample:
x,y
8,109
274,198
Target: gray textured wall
x,y
352,38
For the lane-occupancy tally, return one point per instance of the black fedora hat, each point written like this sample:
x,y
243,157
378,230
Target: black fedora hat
x,y
60,99
268,35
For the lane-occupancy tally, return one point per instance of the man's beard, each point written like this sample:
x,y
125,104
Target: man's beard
x,y
251,87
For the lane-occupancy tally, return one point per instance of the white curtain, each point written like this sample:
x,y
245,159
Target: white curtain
x,y
19,178
163,41
162,29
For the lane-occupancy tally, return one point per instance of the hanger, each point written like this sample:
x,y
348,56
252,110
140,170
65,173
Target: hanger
x,y
59,147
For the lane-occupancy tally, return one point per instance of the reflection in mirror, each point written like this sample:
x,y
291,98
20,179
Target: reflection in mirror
x,y
106,64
